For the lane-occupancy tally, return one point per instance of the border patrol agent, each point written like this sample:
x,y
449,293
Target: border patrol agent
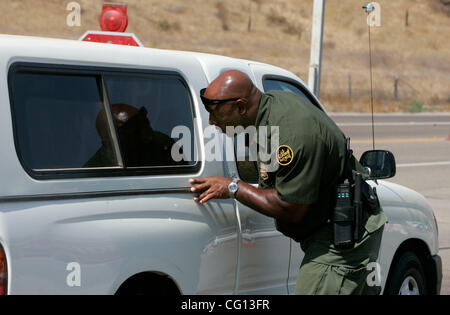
x,y
300,192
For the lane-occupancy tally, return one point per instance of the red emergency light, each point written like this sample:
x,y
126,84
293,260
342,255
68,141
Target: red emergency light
x,y
114,17
113,21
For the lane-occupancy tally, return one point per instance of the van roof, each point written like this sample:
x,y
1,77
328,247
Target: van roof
x,y
82,51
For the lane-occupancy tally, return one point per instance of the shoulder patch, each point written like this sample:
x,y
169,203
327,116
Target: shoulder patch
x,y
285,155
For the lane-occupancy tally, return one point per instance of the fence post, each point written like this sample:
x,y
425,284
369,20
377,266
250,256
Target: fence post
x,y
396,87
249,25
349,86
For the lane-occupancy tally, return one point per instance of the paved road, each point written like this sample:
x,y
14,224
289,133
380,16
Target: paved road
x,y
422,151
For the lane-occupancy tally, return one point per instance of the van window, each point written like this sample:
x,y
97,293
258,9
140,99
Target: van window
x,y
56,120
162,104
273,84
90,122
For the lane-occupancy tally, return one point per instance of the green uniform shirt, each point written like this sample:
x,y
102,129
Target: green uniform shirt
x,y
310,159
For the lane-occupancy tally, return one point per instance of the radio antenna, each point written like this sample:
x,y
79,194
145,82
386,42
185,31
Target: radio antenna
x,y
369,8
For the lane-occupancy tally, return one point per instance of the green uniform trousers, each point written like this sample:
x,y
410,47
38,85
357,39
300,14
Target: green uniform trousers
x,y
326,270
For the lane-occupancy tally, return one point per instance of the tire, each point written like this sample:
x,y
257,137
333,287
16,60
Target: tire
x,y
408,277
148,285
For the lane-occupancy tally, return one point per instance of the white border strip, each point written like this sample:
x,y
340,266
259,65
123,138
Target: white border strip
x,y
424,164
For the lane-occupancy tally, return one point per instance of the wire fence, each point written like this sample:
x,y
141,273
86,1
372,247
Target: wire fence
x,y
406,92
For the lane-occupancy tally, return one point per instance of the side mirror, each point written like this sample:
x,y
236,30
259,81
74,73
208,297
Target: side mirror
x,y
381,163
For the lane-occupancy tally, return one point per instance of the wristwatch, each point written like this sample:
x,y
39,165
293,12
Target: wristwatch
x,y
233,187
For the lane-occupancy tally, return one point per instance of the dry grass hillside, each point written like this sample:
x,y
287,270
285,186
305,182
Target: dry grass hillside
x,y
416,50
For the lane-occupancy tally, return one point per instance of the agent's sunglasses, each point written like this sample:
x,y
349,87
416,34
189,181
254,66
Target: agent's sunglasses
x,y
208,101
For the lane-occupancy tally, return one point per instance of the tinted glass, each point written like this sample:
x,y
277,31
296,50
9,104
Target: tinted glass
x,y
55,117
271,84
146,111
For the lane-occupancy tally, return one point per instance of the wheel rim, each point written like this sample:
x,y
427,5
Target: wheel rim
x,y
409,287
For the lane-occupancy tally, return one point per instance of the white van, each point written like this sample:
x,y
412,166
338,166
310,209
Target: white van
x,y
74,223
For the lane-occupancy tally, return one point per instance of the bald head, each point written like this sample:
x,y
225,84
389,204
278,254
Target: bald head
x,y
122,113
233,84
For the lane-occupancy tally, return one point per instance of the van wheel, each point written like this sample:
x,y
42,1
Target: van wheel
x,y
150,285
408,277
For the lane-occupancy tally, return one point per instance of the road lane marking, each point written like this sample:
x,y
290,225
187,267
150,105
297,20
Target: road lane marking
x,y
424,164
405,140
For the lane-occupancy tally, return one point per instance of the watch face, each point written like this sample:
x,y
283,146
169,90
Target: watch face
x,y
233,187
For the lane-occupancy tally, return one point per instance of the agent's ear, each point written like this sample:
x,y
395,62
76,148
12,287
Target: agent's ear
x,y
242,104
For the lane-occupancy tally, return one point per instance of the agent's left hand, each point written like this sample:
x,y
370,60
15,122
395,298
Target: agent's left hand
x,y
215,187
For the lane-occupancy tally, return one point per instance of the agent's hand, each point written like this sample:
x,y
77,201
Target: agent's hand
x,y
215,187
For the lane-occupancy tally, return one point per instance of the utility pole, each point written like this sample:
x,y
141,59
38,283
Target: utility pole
x,y
315,63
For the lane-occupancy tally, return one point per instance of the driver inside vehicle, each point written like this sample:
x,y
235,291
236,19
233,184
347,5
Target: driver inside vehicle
x,y
140,145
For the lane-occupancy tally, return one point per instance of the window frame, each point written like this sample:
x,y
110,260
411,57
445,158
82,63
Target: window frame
x,y
295,83
100,73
